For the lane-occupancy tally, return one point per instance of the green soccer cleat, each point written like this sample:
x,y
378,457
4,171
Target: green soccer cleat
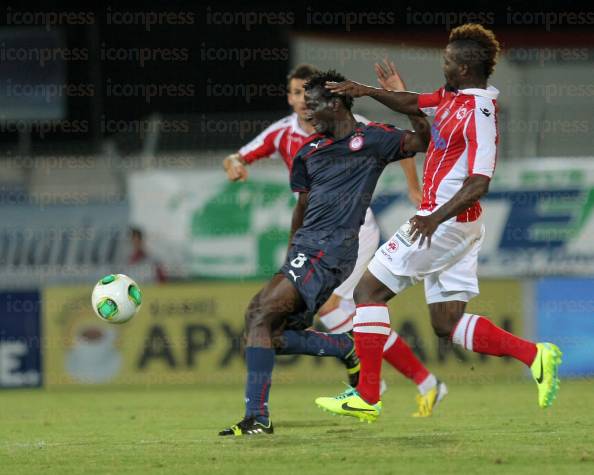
x,y
544,371
248,426
349,403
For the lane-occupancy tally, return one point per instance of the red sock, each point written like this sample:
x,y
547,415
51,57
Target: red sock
x,y
480,335
401,357
370,347
371,327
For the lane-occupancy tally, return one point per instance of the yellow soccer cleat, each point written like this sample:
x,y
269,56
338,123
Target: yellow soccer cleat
x,y
350,404
429,401
544,371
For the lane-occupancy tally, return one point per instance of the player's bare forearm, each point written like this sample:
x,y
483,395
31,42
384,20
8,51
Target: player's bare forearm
x,y
404,102
421,126
473,189
400,101
298,214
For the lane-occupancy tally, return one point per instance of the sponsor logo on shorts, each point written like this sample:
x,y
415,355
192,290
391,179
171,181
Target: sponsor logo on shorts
x,y
403,234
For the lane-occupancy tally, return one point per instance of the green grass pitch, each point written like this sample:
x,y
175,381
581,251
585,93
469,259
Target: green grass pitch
x,y
487,428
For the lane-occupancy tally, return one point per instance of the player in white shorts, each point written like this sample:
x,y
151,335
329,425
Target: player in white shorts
x,y
440,245
283,139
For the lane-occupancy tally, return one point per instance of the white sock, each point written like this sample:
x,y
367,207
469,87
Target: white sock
x,y
428,384
339,320
464,332
391,340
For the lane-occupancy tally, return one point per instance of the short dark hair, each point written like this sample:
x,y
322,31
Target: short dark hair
x,y
301,71
321,78
479,48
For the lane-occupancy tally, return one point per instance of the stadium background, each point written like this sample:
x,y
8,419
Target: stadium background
x,y
115,117
119,117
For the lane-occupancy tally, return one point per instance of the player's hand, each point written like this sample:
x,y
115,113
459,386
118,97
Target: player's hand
x,y
415,195
348,88
388,76
423,227
236,171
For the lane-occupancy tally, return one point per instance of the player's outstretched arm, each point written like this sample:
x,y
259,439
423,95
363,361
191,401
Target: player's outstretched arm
x,y
404,102
473,189
235,167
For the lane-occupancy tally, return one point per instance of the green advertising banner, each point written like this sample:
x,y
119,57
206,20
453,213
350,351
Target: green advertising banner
x,y
539,216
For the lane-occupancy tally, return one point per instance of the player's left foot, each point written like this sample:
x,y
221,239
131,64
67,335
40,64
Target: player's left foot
x,y
351,362
544,370
248,426
349,403
427,402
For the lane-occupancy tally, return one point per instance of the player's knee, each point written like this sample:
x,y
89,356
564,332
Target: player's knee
x,y
444,323
440,328
255,316
367,291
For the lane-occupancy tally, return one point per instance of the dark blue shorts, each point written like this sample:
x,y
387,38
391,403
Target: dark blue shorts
x,y
315,275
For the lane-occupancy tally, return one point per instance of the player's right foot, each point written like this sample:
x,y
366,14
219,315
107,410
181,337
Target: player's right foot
x,y
349,403
351,362
544,370
428,402
248,426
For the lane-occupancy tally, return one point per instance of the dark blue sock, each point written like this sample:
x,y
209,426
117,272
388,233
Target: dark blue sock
x,y
260,362
314,343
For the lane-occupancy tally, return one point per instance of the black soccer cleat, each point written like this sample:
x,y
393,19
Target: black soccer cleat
x,y
353,367
248,426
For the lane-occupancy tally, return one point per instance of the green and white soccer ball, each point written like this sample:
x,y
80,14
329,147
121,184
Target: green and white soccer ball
x,y
116,298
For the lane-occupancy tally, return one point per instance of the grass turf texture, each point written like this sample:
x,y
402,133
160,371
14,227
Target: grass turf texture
x,y
491,428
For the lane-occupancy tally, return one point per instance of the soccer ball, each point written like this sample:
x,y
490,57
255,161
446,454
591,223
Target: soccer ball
x,y
116,298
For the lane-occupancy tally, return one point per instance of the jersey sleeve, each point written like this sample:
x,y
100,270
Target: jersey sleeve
x,y
264,145
300,180
482,137
390,142
428,102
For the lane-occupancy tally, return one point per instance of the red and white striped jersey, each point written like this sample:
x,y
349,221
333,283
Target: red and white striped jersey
x,y
281,139
463,143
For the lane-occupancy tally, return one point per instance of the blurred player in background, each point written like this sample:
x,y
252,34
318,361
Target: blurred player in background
x,y
141,264
284,138
459,165
335,174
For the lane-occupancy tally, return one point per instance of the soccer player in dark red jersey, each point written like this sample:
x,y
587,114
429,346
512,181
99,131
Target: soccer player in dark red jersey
x,y
335,174
459,165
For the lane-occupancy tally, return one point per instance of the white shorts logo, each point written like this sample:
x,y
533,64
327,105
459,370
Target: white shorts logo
x,y
299,261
